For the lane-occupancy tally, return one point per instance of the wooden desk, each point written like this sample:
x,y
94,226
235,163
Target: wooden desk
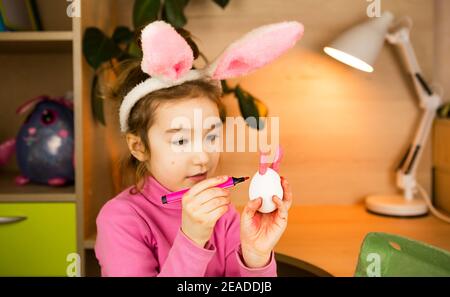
x,y
330,237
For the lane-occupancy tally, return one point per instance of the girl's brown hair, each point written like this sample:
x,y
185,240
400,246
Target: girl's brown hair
x,y
143,113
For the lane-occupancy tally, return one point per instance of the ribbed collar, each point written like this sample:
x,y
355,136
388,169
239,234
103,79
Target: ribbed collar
x,y
153,191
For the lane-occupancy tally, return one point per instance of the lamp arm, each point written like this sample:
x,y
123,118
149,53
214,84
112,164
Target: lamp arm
x,y
402,40
429,101
406,170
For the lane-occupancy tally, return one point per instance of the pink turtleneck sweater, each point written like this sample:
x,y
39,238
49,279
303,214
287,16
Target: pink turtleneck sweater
x,y
137,235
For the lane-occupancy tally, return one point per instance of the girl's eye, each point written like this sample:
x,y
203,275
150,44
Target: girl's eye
x,y
180,142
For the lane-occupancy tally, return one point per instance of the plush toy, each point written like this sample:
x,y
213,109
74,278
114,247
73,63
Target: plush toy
x,y
266,182
44,146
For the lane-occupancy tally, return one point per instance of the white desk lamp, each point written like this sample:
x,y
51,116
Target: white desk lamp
x,y
359,48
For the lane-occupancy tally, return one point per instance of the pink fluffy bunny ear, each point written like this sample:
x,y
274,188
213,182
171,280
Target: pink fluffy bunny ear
x,y
255,49
165,52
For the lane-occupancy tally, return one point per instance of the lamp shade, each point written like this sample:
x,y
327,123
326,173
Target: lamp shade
x,y
360,45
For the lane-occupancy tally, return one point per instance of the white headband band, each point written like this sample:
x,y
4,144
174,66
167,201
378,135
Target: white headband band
x,y
168,58
146,87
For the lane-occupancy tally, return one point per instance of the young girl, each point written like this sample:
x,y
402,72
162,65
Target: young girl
x,y
201,235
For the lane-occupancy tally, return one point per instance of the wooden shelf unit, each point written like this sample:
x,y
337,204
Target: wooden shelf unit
x,y
43,63
10,192
36,36
36,42
89,242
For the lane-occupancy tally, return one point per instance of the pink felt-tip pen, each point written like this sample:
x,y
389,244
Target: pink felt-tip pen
x,y
176,196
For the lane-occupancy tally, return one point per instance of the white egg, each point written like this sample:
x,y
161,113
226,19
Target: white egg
x,y
266,186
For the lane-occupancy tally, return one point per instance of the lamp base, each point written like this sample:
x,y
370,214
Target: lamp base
x,y
396,205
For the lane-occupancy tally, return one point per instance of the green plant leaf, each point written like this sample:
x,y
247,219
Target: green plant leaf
x,y
97,102
98,48
122,35
225,88
251,108
444,111
124,56
144,12
184,2
134,50
222,3
173,12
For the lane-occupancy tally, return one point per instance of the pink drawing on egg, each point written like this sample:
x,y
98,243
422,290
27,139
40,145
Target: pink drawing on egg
x,y
264,161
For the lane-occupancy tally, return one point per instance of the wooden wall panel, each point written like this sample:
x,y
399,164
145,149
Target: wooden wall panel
x,y
97,180
442,46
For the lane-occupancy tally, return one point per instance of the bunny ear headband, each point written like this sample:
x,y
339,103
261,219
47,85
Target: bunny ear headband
x,y
168,58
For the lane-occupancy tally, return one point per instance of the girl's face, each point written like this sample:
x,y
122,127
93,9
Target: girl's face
x,y
185,141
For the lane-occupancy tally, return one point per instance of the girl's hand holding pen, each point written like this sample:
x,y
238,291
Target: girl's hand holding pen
x,y
202,206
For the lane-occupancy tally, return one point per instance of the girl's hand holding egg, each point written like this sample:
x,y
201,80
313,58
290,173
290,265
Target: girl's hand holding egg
x,y
264,218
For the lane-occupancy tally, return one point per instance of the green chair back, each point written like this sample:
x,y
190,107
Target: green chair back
x,y
385,254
